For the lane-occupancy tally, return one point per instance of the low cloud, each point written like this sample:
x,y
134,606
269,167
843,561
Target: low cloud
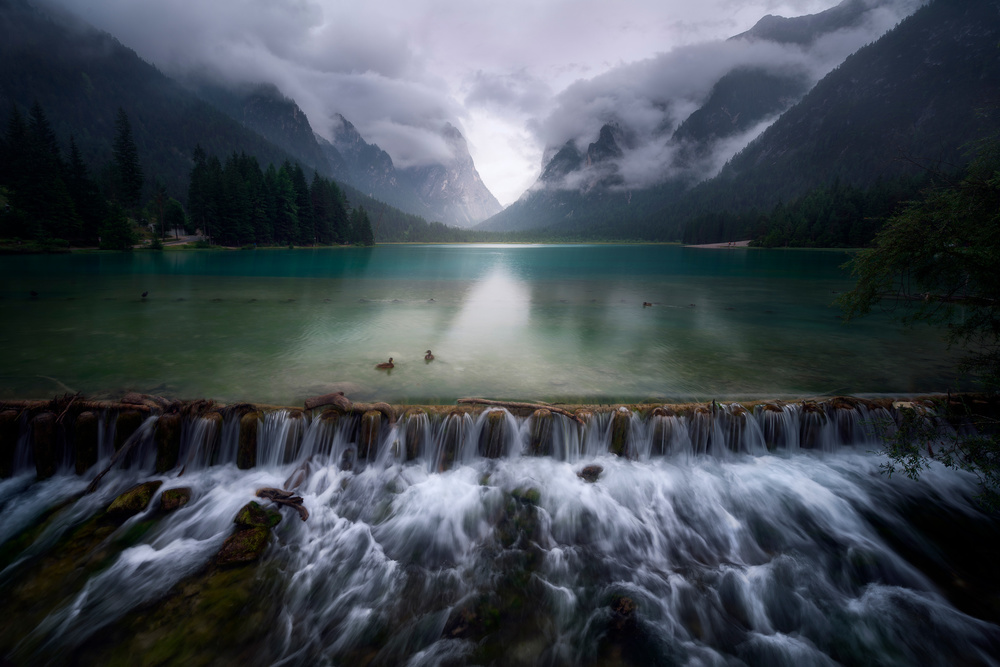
x,y
651,98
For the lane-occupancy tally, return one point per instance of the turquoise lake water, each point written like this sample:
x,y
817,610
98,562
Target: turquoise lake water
x,y
527,322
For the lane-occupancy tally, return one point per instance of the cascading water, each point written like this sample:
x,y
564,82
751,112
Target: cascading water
x,y
719,536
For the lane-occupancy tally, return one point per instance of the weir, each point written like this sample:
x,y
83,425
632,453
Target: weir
x,y
200,434
756,533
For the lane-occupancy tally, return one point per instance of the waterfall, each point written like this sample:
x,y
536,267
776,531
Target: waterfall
x,y
718,534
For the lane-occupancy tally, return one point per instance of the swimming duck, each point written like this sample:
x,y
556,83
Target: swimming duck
x,y
386,365
428,356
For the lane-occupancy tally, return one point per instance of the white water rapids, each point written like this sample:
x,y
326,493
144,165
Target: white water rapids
x,y
787,558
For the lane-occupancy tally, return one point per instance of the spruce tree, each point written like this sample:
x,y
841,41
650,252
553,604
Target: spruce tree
x,y
128,171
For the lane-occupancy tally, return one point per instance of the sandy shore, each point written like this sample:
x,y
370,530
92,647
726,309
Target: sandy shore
x,y
726,246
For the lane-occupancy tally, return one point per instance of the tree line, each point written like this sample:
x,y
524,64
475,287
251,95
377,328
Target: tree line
x,y
52,198
836,216
236,203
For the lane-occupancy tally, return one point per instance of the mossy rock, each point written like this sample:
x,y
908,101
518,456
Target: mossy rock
x,y
168,442
246,455
126,425
43,432
529,496
9,432
252,515
133,501
174,499
85,432
243,546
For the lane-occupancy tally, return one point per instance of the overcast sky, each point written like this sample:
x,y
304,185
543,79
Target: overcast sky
x,y
398,69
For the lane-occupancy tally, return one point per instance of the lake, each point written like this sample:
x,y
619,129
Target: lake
x,y
528,322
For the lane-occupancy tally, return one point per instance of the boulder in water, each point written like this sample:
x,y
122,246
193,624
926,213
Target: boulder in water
x,y
253,531
371,427
174,499
590,473
133,501
243,546
252,515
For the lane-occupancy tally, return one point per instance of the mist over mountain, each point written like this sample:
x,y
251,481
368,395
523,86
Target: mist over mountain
x,y
676,119
449,190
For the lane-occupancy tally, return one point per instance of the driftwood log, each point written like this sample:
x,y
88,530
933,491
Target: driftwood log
x,y
513,405
282,497
338,400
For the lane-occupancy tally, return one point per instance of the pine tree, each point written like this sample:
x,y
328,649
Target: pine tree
x,y
128,171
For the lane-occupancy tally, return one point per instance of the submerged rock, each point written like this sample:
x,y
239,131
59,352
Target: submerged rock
x,y
243,546
174,499
133,501
590,473
253,515
253,532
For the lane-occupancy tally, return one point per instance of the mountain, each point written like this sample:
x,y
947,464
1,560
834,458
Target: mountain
x,y
265,110
453,189
911,100
739,104
449,191
806,29
81,76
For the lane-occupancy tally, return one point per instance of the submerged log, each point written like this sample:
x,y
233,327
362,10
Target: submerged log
x,y
515,405
287,498
343,403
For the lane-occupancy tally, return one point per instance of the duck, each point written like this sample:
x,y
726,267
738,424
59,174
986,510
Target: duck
x,y
385,365
428,356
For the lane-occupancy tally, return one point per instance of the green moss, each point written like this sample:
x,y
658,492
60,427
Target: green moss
x,y
173,499
133,501
252,515
243,546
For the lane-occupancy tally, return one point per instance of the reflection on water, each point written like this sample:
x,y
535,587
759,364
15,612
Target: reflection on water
x,y
556,322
